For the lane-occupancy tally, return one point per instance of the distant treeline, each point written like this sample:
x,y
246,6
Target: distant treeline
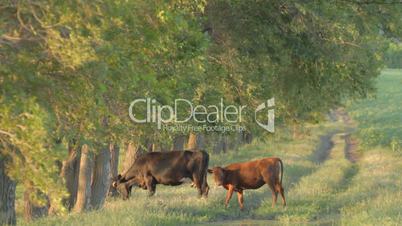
x,y
393,56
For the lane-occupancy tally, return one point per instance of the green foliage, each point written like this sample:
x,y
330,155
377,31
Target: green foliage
x,y
23,142
393,55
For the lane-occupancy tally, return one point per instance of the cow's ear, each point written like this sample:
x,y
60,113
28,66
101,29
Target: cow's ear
x,y
210,171
221,169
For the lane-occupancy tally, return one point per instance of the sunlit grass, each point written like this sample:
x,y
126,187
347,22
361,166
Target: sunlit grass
x,y
380,118
180,204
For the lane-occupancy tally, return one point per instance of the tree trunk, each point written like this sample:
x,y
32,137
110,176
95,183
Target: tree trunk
x,y
33,210
217,145
149,146
234,141
69,172
247,137
224,141
114,163
130,157
100,179
84,181
7,196
192,141
132,153
221,144
178,142
196,142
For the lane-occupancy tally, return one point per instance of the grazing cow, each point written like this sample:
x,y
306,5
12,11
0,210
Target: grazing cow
x,y
250,175
168,168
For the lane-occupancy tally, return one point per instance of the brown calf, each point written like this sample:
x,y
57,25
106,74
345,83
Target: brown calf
x,y
250,175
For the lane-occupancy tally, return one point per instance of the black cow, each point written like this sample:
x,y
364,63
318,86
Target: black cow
x,y
168,168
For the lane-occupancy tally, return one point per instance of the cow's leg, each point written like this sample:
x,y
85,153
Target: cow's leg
x,y
229,195
197,181
151,184
129,190
206,189
240,199
205,186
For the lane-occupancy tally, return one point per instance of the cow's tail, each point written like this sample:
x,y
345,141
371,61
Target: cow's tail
x,y
281,163
203,172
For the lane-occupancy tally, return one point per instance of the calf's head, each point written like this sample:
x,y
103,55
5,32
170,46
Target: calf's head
x,y
219,175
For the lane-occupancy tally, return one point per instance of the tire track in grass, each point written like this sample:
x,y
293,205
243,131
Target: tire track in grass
x,y
324,149
309,199
313,199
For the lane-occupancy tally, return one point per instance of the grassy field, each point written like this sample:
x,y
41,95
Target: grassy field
x,y
322,185
379,118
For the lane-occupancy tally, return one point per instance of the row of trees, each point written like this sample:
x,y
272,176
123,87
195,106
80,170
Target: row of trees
x,y
69,70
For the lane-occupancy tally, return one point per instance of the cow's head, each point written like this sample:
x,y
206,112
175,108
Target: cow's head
x,y
116,181
124,185
219,175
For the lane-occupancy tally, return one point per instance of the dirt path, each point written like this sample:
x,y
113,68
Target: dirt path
x,y
324,148
351,148
352,144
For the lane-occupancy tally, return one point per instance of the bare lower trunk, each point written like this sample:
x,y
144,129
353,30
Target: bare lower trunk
x,y
192,141
178,142
7,196
114,162
69,172
84,181
130,157
196,142
33,210
133,152
234,141
148,145
161,147
221,144
247,137
100,179
224,140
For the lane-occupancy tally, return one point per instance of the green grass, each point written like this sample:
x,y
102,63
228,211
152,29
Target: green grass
x,y
180,204
332,192
380,118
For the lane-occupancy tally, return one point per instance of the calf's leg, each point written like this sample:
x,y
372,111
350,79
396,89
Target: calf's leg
x,y
229,195
269,180
240,199
281,191
274,194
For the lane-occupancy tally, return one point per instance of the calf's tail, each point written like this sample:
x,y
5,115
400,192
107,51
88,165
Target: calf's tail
x,y
280,161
